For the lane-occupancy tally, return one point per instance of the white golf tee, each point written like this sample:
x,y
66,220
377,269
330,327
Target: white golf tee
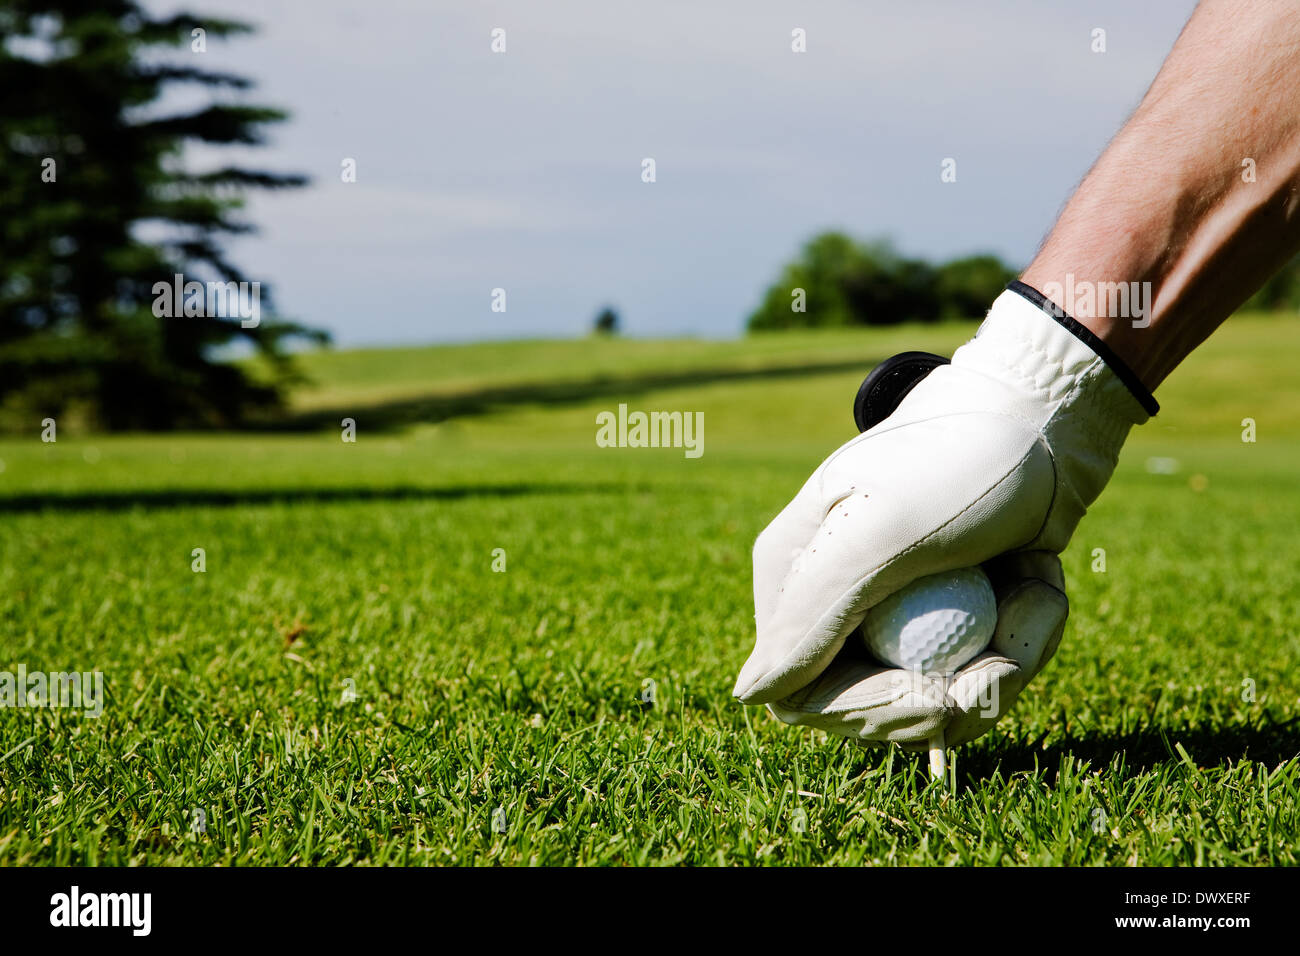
x,y
938,757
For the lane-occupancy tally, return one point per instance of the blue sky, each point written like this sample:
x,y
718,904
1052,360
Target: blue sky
x,y
522,170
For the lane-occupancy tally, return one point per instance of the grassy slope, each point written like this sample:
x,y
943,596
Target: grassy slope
x,y
521,690
368,376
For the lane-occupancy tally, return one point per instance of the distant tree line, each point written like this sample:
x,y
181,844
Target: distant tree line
x,y
839,281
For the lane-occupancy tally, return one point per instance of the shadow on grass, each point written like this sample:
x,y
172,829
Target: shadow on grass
x,y
217,498
387,416
1268,742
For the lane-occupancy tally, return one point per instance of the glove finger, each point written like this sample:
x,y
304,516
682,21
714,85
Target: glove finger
x,y
1032,607
981,693
875,536
779,545
1031,619
860,699
1007,571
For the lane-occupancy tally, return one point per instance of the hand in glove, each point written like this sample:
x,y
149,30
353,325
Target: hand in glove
x,y
990,460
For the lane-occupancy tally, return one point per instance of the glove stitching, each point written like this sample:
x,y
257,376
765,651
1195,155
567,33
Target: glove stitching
x,y
984,494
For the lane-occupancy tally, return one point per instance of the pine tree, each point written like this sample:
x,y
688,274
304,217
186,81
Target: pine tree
x,y
97,207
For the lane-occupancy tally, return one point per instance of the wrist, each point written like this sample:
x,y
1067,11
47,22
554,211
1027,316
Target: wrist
x,y
1096,335
1058,380
1123,315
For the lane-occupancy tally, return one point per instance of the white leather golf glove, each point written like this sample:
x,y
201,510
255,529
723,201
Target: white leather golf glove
x,y
991,460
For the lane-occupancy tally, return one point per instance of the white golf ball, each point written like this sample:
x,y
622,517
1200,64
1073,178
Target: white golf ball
x,y
934,625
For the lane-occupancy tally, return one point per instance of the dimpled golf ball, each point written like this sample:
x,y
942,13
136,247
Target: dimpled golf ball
x,y
934,625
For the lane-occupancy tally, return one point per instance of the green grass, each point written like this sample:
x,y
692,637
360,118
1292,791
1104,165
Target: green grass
x,y
372,563
371,376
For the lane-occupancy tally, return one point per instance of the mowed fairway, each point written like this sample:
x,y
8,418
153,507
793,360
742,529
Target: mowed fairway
x,y
1164,732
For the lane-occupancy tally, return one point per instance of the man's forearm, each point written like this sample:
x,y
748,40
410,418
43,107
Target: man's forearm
x,y
1170,201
